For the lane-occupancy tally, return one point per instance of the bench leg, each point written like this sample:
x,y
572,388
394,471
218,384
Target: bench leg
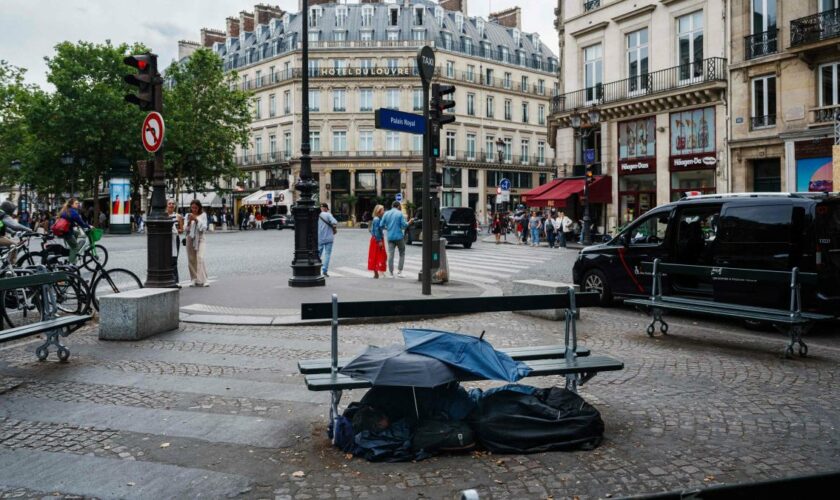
x,y
572,382
52,338
795,333
657,317
335,398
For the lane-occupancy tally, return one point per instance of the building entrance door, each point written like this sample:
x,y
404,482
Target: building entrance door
x,y
767,175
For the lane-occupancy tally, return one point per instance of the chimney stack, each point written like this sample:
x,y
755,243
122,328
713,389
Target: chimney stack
x,y
211,36
511,18
186,48
264,13
246,22
232,27
455,5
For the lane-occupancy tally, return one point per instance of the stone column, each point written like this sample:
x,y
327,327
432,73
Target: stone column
x,y
378,182
323,192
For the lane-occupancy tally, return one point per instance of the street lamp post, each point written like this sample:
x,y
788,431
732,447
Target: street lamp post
x,y
593,117
306,264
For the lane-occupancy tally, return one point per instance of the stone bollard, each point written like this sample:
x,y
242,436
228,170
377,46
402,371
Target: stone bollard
x,y
138,314
540,287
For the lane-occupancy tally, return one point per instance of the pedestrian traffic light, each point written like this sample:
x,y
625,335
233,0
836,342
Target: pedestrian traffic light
x,y
146,80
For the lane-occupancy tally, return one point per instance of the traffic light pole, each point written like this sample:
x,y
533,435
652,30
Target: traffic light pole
x,y
160,272
428,169
587,235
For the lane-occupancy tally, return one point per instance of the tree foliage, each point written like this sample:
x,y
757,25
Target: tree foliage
x,y
14,133
206,117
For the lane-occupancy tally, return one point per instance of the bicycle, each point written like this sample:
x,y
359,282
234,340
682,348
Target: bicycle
x,y
89,251
19,305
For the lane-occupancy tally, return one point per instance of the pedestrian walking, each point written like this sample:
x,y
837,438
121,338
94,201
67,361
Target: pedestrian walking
x,y
395,223
259,220
252,221
327,227
496,226
534,226
177,229
376,249
566,229
196,244
550,234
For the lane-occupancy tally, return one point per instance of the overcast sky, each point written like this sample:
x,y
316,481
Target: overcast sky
x,y
29,29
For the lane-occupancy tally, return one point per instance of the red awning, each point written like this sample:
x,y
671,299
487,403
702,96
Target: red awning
x,y
539,190
600,191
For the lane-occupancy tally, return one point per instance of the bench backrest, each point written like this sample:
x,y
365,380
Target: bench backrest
x,y
30,280
713,272
466,305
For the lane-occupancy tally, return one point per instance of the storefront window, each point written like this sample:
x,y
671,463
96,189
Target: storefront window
x,y
693,162
636,168
390,180
365,181
340,180
636,194
693,182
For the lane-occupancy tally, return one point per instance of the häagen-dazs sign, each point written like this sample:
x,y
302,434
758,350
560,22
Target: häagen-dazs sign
x,y
693,162
636,166
365,72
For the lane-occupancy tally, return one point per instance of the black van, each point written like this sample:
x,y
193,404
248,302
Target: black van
x,y
457,224
757,231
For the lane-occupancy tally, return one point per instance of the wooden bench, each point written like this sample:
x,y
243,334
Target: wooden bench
x,y
792,321
40,287
575,364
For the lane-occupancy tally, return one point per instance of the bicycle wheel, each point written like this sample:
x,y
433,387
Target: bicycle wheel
x,y
21,306
114,281
69,295
29,259
101,257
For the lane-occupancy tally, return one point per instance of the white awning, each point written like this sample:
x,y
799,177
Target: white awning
x,y
261,197
212,200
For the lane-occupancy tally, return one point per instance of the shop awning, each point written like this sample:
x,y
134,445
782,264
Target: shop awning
x,y
539,190
259,198
212,200
600,191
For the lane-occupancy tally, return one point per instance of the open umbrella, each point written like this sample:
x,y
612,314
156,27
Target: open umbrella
x,y
393,366
466,353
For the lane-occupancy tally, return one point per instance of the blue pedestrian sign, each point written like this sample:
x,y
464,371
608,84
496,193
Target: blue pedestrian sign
x,y
400,121
504,184
588,156
398,197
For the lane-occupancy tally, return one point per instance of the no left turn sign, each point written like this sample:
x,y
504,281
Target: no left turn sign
x,y
152,132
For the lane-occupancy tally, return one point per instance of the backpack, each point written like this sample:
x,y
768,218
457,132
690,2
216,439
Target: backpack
x,y
60,227
442,435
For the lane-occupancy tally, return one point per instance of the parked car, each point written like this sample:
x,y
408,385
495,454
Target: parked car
x,y
745,230
279,221
458,226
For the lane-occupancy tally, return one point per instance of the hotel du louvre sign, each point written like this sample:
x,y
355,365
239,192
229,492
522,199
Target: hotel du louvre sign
x,y
694,161
636,166
365,72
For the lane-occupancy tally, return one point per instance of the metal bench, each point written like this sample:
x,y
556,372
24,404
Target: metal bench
x,y
575,364
792,321
41,286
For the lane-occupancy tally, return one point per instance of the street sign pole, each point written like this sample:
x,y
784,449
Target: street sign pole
x,y
426,65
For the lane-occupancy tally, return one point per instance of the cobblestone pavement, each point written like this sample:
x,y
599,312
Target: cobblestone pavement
x,y
221,411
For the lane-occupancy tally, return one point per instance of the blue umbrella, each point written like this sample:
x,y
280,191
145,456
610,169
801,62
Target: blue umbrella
x,y
470,354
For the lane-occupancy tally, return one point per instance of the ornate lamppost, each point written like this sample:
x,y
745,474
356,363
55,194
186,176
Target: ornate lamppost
x,y
593,117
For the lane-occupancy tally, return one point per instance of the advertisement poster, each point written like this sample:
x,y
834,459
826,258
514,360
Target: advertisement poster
x,y
120,189
693,131
637,139
814,174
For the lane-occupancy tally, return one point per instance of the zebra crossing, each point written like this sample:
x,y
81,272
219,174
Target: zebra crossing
x,y
485,264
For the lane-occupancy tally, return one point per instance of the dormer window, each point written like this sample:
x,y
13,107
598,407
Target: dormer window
x,y
459,22
505,55
393,16
274,25
516,37
479,25
535,39
468,45
341,16
367,15
439,15
315,14
418,15
287,18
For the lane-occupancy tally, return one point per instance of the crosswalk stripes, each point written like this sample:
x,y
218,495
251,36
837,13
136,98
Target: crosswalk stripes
x,y
210,280
488,265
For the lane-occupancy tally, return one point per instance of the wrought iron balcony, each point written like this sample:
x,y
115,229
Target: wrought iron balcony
x,y
826,115
766,121
492,157
261,158
761,44
678,77
814,28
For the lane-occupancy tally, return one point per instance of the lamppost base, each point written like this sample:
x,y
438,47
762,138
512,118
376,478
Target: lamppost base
x,y
299,281
160,273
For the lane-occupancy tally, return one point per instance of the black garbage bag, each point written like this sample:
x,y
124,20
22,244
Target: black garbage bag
x,y
448,402
392,444
443,435
508,421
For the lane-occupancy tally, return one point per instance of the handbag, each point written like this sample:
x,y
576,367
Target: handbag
x,y
184,241
334,229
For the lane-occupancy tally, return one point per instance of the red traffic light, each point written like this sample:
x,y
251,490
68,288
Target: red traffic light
x,y
141,64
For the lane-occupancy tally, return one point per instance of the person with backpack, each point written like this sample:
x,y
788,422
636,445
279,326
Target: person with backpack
x,y
327,227
549,230
9,224
66,225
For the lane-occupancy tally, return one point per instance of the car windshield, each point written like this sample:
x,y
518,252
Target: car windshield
x,y
459,215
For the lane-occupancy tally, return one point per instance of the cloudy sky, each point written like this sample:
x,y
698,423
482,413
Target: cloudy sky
x,y
29,29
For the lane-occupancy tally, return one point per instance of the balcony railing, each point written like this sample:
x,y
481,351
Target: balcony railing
x,y
492,157
758,122
262,158
761,44
815,28
825,115
686,75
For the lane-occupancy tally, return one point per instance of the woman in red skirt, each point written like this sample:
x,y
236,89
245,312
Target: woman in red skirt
x,y
376,251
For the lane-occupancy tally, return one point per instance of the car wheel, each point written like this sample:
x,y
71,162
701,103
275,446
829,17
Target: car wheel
x,y
468,244
264,227
594,280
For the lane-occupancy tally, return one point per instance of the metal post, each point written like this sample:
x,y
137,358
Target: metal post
x,y
306,264
426,271
334,336
587,234
160,271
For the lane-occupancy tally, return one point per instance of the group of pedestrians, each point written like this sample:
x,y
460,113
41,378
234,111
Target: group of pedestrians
x,y
555,227
386,227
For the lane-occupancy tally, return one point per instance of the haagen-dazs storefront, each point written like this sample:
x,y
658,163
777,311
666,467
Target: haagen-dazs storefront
x,y
636,167
693,162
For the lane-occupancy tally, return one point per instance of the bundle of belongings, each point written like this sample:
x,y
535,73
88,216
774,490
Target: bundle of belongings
x,y
417,408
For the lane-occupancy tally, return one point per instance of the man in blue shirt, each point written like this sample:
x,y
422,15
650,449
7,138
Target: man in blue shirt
x,y
394,223
326,234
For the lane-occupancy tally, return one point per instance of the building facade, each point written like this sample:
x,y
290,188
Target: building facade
x,y
655,83
782,48
362,57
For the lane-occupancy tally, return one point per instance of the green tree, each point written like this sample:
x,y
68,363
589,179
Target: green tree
x,y
15,138
206,117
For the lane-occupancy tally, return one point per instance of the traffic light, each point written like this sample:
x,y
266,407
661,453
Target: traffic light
x,y
437,116
146,80
590,174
